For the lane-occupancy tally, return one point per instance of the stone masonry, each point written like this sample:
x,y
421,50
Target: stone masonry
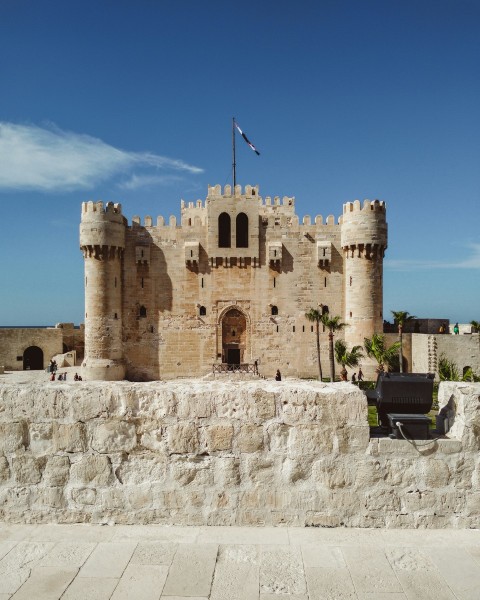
x,y
244,453
230,284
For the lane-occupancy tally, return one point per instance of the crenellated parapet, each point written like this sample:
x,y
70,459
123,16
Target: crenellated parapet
x,y
215,192
364,229
102,230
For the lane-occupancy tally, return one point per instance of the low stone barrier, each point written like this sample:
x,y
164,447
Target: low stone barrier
x,y
219,453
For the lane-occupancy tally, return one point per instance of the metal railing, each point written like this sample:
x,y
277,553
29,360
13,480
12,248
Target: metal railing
x,y
234,368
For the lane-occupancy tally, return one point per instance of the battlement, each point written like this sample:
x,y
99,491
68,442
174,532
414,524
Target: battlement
x,y
368,205
98,207
215,191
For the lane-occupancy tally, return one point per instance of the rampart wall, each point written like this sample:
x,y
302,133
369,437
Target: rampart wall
x,y
246,453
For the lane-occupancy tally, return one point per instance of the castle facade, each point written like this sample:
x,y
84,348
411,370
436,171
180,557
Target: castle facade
x,y
230,284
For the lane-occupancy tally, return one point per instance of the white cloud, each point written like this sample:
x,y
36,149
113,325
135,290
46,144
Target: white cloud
x,y
470,262
35,158
145,181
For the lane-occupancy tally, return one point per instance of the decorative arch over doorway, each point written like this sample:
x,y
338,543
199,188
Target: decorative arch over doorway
x,y
234,335
33,359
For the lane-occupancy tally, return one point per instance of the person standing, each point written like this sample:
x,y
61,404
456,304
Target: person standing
x,y
456,329
278,375
360,375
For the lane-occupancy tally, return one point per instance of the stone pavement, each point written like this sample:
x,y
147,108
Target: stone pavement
x,y
95,562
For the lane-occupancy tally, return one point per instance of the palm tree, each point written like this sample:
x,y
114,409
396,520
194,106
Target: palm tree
x,y
475,326
400,318
333,324
377,349
346,358
315,316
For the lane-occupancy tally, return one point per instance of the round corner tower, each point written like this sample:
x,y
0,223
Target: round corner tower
x,y
364,240
102,241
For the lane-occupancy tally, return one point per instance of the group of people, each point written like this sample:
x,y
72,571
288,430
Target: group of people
x,y
63,376
356,378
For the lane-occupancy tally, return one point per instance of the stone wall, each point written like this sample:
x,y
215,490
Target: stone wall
x,y
212,453
14,341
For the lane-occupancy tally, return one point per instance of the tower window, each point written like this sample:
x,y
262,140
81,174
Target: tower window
x,y
202,282
116,316
293,329
202,311
224,230
242,230
351,281
303,328
142,282
325,282
115,282
142,312
274,282
274,310
277,328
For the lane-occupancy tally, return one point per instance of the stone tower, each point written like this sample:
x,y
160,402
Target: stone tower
x,y
363,241
102,241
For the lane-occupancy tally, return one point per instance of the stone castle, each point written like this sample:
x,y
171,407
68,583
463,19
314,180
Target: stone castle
x,y
230,284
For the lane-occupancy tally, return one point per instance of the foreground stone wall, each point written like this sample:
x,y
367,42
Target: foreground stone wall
x,y
211,453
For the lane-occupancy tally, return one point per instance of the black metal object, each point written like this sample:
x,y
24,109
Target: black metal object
x,y
411,427
401,393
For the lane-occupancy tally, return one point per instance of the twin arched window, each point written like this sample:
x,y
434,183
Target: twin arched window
x,y
225,230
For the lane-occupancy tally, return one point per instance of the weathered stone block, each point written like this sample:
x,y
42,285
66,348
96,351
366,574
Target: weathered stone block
x,y
250,438
84,496
26,470
434,473
4,469
52,497
227,471
41,438
332,473
139,497
182,438
11,437
309,439
71,437
56,471
92,470
185,470
141,468
114,436
219,437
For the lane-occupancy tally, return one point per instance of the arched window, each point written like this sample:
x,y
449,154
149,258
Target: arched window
x,y
242,230
274,310
142,312
202,311
324,309
224,231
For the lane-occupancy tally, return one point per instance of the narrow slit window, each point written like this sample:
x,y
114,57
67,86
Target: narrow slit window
x,y
293,329
274,282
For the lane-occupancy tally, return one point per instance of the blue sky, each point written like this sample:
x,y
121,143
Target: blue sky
x,y
131,101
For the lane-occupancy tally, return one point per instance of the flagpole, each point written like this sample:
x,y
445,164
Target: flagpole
x,y
234,165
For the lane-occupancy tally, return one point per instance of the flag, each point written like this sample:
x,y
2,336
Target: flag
x,y
247,140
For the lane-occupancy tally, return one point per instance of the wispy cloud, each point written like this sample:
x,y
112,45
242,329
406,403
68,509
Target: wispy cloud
x,y
470,262
49,159
147,181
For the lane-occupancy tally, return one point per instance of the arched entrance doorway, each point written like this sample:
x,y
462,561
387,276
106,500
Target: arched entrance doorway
x,y
33,359
234,337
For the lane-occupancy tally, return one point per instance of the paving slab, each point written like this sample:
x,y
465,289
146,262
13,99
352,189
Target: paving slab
x,y
67,554
96,562
5,547
281,570
45,583
187,535
16,566
370,570
154,553
460,571
108,560
329,584
76,532
90,588
243,535
237,573
191,572
141,582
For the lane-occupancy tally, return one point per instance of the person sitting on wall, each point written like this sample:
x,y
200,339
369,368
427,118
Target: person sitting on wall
x,y
354,378
52,376
278,375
